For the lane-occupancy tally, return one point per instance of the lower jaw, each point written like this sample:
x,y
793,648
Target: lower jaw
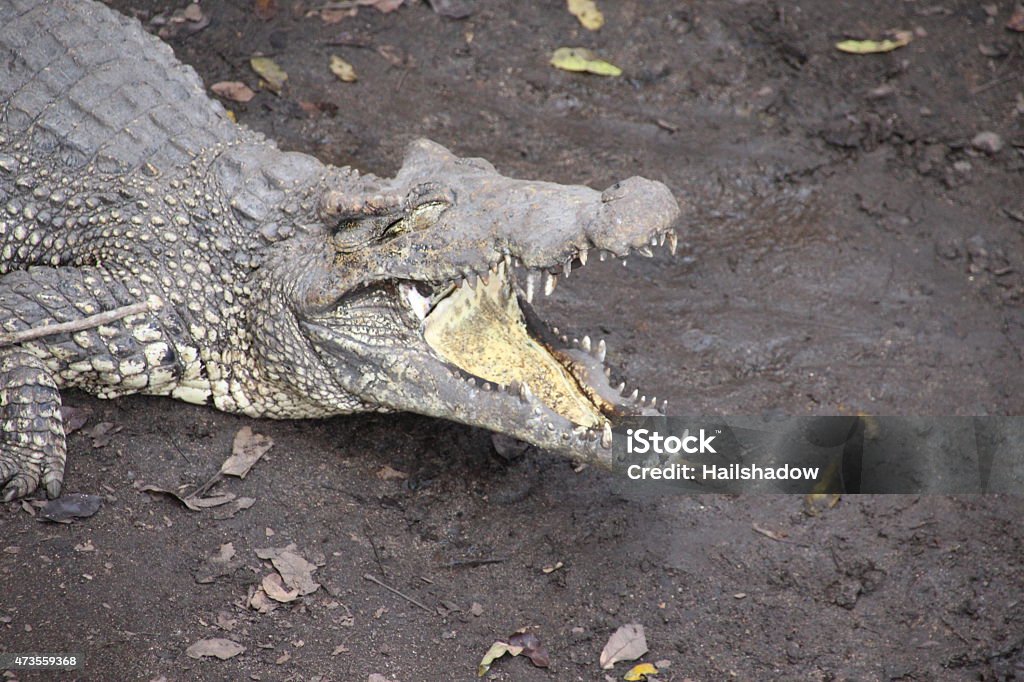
x,y
482,331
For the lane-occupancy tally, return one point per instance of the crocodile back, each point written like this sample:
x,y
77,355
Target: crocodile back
x,y
91,86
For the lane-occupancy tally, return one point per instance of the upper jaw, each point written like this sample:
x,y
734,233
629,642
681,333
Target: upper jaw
x,y
541,226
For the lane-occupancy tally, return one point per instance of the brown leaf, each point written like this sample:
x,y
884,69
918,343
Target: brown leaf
x,y
236,91
334,16
275,589
245,452
74,418
296,572
102,433
215,646
628,643
532,648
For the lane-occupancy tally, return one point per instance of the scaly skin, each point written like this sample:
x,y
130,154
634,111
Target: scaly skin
x,y
278,286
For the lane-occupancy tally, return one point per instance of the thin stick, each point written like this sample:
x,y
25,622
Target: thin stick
x,y
372,579
106,317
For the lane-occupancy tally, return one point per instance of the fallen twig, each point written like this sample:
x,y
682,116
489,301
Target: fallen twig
x,y
409,599
106,317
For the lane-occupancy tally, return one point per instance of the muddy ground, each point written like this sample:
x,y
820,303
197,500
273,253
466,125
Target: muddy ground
x,y
850,246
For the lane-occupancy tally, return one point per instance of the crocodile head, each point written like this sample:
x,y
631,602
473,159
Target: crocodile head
x,y
422,297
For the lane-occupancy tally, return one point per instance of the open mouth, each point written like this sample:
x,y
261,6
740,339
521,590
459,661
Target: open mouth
x,y
484,326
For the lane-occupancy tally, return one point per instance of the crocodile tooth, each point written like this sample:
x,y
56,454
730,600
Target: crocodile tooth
x,y
471,280
664,407
673,241
602,350
661,239
645,251
565,339
654,240
531,286
550,282
654,401
525,393
606,435
643,400
471,381
550,426
567,267
486,386
507,260
585,345
513,387
575,342
634,394
608,372
623,262
582,255
555,331
621,387
602,255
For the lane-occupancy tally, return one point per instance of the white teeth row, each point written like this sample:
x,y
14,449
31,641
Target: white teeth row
x,y
551,276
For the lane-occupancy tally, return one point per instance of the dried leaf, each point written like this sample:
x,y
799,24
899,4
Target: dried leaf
x,y
246,450
639,673
275,589
74,418
343,70
217,500
581,59
215,646
296,572
532,648
236,91
497,650
899,39
588,13
628,643
102,433
334,16
272,74
386,473
382,5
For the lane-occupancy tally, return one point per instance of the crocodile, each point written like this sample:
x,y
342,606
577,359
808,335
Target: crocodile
x,y
151,245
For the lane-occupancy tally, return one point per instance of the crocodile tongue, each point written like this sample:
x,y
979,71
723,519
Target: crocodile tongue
x,y
481,330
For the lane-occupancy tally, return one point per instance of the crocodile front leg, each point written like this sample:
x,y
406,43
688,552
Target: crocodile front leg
x,y
32,447
130,354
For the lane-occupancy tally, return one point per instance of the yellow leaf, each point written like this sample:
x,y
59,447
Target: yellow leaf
x,y
497,650
588,13
899,39
582,59
639,673
270,72
343,70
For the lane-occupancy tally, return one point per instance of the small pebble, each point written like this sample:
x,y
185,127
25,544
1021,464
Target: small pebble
x,y
988,142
